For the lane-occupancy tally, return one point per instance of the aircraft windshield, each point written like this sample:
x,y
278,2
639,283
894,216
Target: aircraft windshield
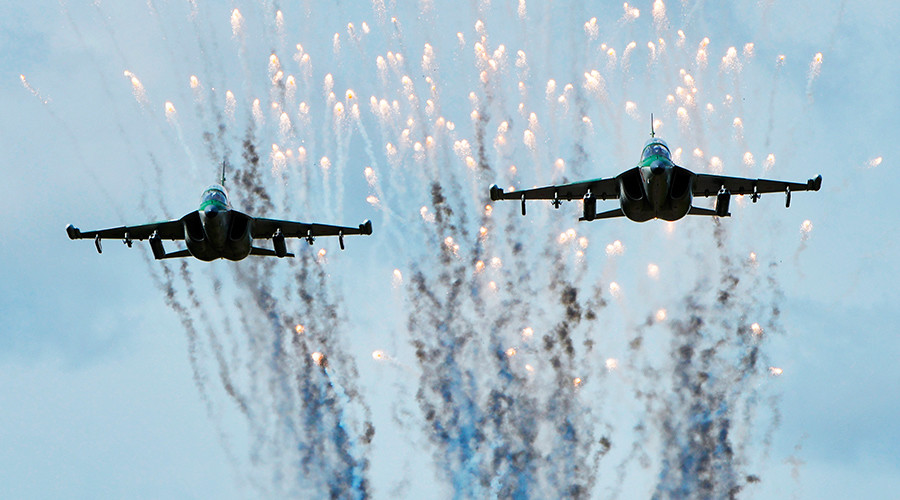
x,y
215,195
655,147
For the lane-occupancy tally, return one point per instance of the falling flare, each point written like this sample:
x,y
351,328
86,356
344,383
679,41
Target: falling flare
x,y
805,228
748,159
815,68
730,61
659,13
35,92
591,28
170,111
615,248
631,110
631,13
230,104
756,329
874,162
237,21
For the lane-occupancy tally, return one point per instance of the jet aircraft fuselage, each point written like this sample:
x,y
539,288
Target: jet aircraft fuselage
x,y
222,233
216,231
656,188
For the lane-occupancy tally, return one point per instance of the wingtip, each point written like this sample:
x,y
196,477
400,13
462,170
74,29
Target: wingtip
x,y
73,232
496,192
816,184
366,227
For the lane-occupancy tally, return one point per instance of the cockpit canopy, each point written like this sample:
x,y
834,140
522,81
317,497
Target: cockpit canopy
x,y
215,195
656,147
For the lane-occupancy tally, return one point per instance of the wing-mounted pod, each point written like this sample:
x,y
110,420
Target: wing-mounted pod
x,y
279,243
590,207
496,193
723,200
156,245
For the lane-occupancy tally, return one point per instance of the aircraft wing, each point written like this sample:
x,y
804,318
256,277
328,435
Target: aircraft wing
x,y
709,185
167,230
266,228
601,189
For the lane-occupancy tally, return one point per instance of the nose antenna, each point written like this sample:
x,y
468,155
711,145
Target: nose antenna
x,y
652,131
224,162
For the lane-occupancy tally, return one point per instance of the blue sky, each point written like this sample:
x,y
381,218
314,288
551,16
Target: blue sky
x,y
108,394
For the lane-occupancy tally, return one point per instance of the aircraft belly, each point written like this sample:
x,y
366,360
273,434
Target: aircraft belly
x,y
637,210
216,229
675,210
237,249
658,195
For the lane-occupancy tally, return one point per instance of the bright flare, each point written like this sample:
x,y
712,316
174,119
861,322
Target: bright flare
x,y
615,248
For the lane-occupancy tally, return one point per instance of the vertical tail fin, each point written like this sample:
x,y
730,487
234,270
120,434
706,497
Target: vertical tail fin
x,y
652,131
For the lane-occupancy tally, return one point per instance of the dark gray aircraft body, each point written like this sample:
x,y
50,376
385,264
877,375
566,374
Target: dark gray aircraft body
x,y
216,231
656,189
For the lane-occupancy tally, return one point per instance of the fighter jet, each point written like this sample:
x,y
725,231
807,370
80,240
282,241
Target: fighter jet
x,y
216,231
656,188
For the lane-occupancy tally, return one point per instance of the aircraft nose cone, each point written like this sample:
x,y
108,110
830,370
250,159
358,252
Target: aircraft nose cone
x,y
658,168
211,212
